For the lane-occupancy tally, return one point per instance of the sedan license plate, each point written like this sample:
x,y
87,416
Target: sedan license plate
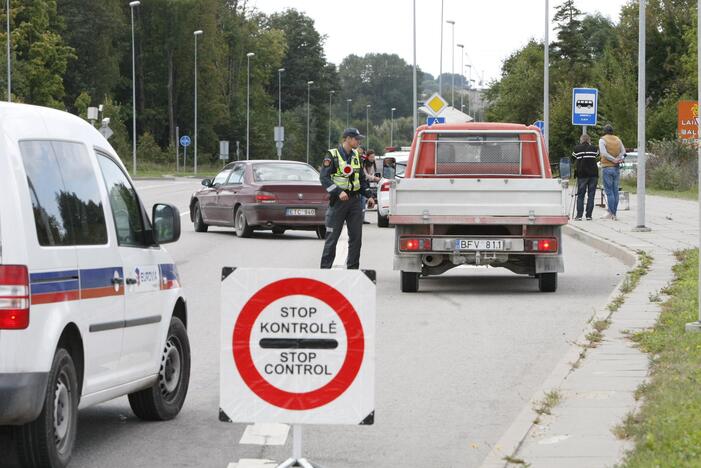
x,y
300,212
479,244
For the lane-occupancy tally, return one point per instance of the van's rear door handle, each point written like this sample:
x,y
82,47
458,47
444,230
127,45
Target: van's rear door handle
x,y
117,280
131,280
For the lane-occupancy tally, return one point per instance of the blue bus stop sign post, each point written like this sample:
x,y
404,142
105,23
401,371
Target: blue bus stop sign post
x,y
584,106
185,142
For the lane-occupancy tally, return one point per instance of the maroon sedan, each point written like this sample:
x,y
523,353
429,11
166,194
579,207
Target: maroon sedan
x,y
262,195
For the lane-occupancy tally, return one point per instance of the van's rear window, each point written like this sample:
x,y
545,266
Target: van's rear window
x,y
64,192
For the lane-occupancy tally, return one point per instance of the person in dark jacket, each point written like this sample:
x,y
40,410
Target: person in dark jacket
x,y
585,155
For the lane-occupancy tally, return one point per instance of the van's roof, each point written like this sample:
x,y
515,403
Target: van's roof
x,y
26,122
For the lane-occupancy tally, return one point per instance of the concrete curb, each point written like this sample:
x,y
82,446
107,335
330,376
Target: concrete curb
x,y
512,439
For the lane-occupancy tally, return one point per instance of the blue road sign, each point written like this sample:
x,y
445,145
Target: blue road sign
x,y
435,120
584,106
185,141
541,126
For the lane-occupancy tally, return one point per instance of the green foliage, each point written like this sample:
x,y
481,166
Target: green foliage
x,y
672,165
81,104
148,150
666,431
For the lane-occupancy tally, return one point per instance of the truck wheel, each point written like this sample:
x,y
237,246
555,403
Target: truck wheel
x,y
164,399
48,441
200,226
241,224
409,281
547,282
382,221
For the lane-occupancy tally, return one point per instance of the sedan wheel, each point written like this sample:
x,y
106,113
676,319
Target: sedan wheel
x,y
242,227
200,225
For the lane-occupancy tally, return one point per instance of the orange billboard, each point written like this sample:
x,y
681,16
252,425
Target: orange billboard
x,y
687,126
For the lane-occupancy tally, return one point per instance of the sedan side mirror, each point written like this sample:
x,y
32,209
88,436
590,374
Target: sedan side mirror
x,y
207,182
166,223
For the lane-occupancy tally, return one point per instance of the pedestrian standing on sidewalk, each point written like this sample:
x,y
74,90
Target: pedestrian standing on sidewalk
x,y
612,154
585,155
343,178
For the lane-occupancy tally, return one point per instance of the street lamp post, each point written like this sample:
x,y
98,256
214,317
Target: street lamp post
x,y
9,58
642,156
546,76
413,102
440,69
331,93
391,127
696,326
348,104
367,125
132,5
462,73
196,34
452,72
279,96
309,91
248,104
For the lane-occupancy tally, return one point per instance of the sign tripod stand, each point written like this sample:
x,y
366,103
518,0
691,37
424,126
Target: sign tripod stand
x,y
296,459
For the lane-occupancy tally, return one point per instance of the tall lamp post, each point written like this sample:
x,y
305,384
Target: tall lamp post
x,y
546,77
462,73
413,91
9,58
248,104
367,125
348,104
279,96
331,93
196,34
132,5
391,127
309,92
452,72
440,69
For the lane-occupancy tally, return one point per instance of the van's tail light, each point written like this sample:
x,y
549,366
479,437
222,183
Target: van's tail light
x,y
415,245
541,245
385,187
265,197
14,297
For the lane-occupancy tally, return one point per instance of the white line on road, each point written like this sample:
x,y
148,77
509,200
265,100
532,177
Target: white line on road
x,y
341,249
253,463
184,214
265,434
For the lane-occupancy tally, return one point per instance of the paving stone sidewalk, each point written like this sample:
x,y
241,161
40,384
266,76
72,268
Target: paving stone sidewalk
x,y
599,393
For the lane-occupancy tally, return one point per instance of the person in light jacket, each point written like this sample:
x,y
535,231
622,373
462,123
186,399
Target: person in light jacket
x,y
612,154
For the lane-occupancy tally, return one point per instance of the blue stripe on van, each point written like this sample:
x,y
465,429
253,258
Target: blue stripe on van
x,y
99,277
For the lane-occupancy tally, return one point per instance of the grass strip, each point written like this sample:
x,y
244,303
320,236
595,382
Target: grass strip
x,y
692,194
667,429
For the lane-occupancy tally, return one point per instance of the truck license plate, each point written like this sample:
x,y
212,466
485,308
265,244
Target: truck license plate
x,y
300,212
479,244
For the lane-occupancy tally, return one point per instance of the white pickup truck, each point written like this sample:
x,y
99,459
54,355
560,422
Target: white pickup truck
x,y
478,194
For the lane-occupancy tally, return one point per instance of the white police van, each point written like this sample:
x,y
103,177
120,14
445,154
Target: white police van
x,y
91,306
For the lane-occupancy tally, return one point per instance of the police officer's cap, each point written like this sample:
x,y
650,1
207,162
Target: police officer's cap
x,y
352,133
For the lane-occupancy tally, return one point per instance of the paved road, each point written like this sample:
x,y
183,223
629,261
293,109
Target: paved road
x,y
455,362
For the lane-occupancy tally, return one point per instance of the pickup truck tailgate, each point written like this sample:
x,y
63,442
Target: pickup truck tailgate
x,y
443,197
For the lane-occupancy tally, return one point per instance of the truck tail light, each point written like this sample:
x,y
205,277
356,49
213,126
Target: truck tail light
x,y
14,297
265,197
541,245
385,187
415,245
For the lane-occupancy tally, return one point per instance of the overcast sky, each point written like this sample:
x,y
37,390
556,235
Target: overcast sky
x,y
490,29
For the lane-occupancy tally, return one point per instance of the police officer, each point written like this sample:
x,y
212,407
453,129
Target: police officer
x,y
343,178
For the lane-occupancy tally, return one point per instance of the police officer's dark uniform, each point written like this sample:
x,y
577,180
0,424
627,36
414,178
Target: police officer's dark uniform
x,y
342,172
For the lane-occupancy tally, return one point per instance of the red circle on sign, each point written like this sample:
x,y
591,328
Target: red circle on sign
x,y
241,341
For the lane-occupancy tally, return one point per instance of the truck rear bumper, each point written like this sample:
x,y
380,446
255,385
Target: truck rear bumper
x,y
21,396
549,263
514,220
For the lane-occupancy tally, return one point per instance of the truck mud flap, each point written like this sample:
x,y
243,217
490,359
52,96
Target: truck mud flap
x,y
549,264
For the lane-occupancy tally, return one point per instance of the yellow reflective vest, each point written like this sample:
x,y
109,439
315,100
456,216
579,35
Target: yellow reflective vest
x,y
347,176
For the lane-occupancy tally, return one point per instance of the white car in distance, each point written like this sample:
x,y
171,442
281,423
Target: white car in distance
x,y
393,167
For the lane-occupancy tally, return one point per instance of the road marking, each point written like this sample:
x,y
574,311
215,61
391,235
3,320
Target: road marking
x,y
341,249
265,434
253,463
184,214
165,183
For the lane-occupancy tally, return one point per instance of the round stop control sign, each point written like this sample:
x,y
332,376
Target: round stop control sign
x,y
297,348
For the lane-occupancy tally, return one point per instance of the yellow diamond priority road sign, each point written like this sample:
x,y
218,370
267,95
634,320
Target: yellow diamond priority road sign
x,y
436,103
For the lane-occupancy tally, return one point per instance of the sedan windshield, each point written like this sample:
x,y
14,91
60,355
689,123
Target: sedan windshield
x,y
276,172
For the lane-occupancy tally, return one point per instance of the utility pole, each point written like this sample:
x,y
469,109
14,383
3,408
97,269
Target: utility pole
x,y
309,91
9,57
348,104
331,93
248,104
133,5
196,34
391,127
452,72
414,97
462,74
642,157
440,72
546,76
